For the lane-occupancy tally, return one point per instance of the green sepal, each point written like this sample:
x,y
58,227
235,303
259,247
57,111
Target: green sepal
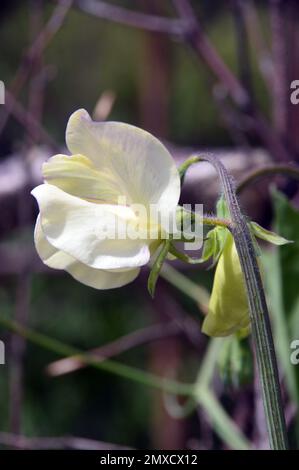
x,y
181,215
257,249
214,243
177,254
222,208
267,235
210,245
157,266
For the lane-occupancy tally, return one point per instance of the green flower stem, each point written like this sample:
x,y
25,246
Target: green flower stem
x,y
204,397
223,424
255,175
213,220
261,327
114,367
209,362
186,165
196,292
203,380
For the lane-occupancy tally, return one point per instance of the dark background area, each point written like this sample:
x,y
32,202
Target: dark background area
x,y
222,84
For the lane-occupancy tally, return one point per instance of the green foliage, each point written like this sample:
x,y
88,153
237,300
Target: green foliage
x,y
281,278
235,362
85,403
112,57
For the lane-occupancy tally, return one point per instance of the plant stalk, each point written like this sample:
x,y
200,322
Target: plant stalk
x,y
260,320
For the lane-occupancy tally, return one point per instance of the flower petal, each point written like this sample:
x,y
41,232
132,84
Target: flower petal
x,y
139,162
228,308
84,230
77,175
96,278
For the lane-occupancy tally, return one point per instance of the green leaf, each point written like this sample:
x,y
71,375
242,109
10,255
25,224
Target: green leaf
x,y
267,235
157,266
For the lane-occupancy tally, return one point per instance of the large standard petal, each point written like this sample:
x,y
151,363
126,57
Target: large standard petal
x,y
84,230
142,166
77,175
96,278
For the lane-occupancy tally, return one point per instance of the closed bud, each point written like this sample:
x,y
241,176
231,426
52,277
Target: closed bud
x,y
228,308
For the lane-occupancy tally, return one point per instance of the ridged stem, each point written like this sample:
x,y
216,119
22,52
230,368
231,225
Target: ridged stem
x,y
260,321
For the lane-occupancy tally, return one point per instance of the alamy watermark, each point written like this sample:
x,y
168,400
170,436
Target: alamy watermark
x,y
126,221
2,353
294,356
294,96
2,92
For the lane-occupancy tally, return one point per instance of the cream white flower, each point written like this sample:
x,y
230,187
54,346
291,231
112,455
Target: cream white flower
x,y
79,201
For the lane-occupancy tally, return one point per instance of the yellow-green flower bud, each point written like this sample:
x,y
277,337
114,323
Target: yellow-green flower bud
x,y
228,308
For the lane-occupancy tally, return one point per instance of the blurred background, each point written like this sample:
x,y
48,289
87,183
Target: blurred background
x,y
213,76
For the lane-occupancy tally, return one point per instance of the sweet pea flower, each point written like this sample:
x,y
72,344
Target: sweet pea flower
x,y
228,310
80,206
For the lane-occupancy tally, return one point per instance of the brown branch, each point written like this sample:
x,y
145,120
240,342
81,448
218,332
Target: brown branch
x,y
13,178
18,346
189,28
144,21
28,121
230,118
15,259
198,40
132,340
186,26
206,51
104,106
271,170
185,10
269,137
18,441
21,315
292,64
261,48
280,85
242,45
41,42
37,82
169,308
